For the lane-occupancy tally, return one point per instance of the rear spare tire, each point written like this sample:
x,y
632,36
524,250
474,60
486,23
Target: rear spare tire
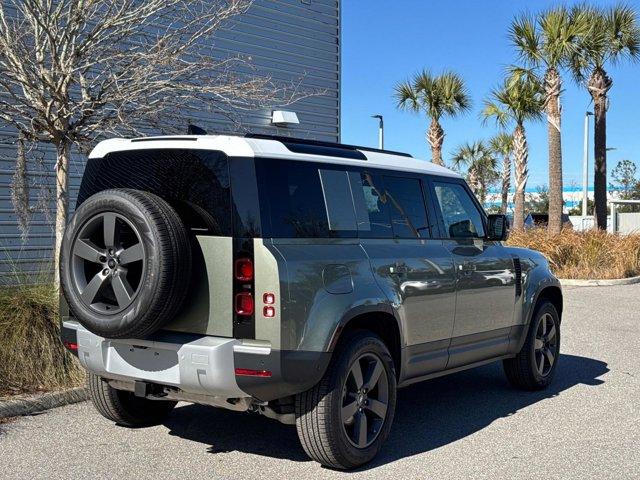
x,y
125,263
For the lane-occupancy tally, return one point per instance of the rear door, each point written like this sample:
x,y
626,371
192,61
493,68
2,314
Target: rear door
x,y
414,270
485,299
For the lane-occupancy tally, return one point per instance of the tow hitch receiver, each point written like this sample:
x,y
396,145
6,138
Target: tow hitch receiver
x,y
141,389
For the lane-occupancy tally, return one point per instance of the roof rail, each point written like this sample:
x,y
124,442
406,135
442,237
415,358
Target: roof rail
x,y
319,147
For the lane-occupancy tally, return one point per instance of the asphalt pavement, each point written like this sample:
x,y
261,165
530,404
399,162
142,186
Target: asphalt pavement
x,y
468,425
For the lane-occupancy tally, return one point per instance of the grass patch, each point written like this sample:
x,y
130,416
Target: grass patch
x,y
32,358
592,254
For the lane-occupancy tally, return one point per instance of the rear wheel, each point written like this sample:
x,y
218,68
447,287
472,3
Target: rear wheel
x,y
343,421
124,407
534,367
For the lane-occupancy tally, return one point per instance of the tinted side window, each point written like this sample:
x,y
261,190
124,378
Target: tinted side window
x,y
370,201
461,217
337,200
406,205
305,200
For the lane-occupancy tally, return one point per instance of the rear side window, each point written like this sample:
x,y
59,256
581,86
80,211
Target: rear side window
x,y
337,200
388,206
461,217
372,209
305,200
406,205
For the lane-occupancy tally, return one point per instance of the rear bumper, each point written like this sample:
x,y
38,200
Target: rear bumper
x,y
198,365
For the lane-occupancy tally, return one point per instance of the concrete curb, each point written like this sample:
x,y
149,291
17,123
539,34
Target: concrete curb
x,y
38,403
570,282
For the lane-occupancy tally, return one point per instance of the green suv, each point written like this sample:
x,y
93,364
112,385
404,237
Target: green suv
x,y
302,280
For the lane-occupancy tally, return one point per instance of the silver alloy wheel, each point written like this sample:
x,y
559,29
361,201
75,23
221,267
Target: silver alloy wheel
x,y
107,263
365,400
546,345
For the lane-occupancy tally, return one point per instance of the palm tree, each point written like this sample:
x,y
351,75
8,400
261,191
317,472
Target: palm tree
x,y
548,41
613,37
481,167
437,96
517,100
502,144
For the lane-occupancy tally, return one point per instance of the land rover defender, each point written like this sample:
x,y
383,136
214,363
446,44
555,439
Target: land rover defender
x,y
302,280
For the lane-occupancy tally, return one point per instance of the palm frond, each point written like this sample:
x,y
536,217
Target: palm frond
x,y
623,33
520,98
526,39
454,97
436,95
494,110
502,143
406,97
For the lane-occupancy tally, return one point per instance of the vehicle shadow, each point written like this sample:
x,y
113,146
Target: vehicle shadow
x,y
430,414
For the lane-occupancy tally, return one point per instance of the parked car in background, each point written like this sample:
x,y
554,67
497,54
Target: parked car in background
x,y
535,220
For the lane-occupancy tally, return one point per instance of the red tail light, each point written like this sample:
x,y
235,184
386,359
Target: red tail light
x,y
244,304
269,312
247,372
71,346
244,269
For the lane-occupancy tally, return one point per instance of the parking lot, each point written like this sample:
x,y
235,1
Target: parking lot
x,y
469,425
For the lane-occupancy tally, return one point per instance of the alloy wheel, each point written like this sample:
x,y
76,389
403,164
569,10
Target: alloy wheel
x,y
365,400
546,345
107,260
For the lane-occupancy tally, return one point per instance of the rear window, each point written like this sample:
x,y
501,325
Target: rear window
x,y
195,182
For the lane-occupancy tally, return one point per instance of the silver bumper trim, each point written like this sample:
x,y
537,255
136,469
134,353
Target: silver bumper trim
x,y
204,366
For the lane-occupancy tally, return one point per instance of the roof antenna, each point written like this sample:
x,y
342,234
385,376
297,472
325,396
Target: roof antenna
x,y
195,130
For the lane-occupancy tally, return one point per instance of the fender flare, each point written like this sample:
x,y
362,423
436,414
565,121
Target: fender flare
x,y
542,286
356,311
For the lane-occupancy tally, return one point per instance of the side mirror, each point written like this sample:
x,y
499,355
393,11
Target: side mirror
x,y
497,227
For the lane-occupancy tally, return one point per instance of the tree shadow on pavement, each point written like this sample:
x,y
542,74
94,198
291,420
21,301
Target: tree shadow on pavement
x,y
428,414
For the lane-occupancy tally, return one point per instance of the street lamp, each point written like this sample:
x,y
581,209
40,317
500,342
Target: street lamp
x,y
380,131
585,166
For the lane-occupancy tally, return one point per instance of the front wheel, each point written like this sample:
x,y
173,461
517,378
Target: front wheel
x,y
343,421
535,365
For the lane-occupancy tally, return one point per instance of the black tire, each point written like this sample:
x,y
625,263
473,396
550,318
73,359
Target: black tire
x,y
160,267
321,430
524,370
123,407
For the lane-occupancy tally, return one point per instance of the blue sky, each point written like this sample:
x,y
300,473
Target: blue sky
x,y
384,42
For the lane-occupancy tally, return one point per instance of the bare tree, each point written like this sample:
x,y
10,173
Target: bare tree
x,y
74,70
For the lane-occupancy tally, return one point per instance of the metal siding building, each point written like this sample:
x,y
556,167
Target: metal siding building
x,y
289,40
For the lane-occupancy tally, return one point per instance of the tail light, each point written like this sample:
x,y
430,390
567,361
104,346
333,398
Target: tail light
x,y
269,312
244,304
244,269
71,346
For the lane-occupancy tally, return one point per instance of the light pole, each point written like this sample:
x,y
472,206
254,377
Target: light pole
x,y
585,166
380,131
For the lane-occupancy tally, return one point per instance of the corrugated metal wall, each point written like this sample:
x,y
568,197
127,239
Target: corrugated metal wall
x,y
291,40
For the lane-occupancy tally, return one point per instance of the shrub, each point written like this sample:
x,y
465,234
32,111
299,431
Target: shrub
x,y
584,255
32,357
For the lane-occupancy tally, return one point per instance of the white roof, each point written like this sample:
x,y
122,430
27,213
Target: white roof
x,y
235,146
